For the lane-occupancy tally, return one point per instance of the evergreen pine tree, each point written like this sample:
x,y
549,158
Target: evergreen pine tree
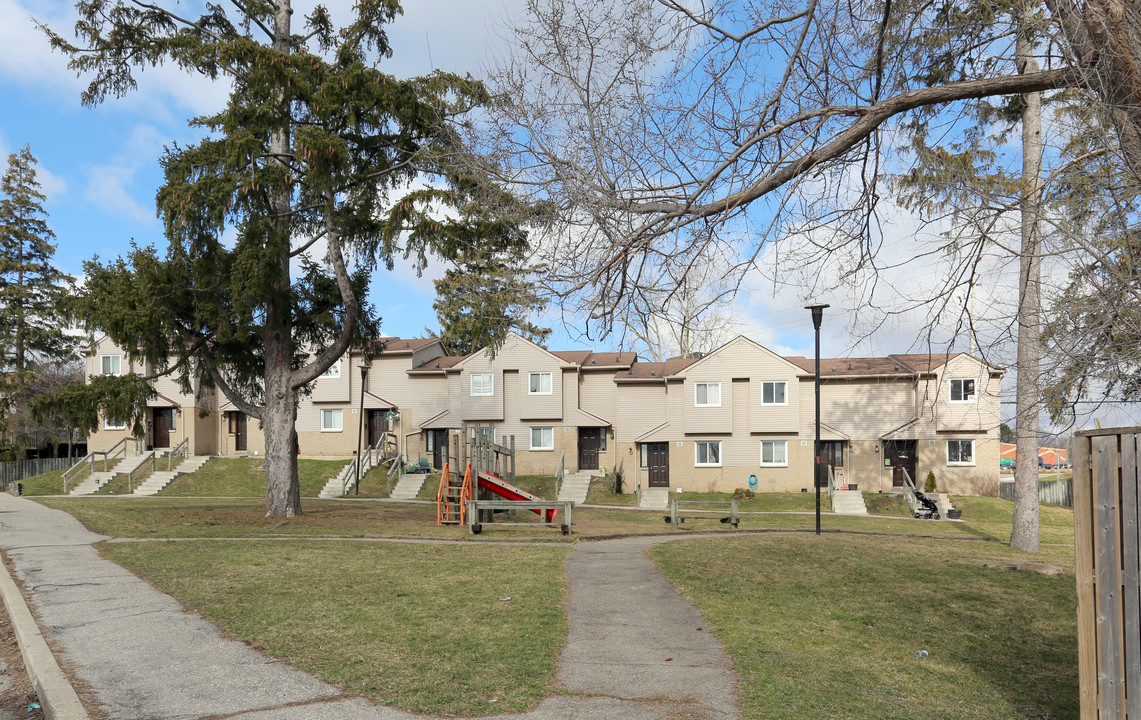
x,y
31,287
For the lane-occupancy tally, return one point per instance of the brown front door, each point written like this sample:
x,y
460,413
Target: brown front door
x,y
899,455
377,425
589,443
238,430
658,464
161,424
831,455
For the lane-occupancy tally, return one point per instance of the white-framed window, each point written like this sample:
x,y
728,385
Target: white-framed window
x,y
960,452
774,392
539,383
707,453
774,453
963,390
430,442
173,420
110,423
334,371
332,420
542,438
482,384
111,364
707,394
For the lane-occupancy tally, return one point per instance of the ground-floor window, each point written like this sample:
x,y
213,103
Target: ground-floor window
x,y
332,420
110,423
707,453
960,452
542,438
774,453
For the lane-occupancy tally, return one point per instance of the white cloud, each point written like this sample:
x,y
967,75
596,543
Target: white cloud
x,y
112,187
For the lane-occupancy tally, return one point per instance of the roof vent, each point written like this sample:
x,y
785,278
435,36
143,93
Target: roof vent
x,y
895,368
653,373
833,368
437,364
593,361
849,366
869,364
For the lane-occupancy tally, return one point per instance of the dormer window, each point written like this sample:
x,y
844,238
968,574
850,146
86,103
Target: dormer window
x,y
963,390
707,394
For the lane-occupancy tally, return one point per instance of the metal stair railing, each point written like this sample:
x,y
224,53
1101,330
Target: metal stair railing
x,y
560,474
909,491
89,460
831,485
179,450
148,459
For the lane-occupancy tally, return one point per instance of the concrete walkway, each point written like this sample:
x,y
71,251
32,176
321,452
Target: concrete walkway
x,y
636,649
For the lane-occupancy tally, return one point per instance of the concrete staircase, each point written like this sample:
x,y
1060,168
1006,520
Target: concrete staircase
x,y
333,486
161,478
849,502
575,486
655,498
96,480
408,486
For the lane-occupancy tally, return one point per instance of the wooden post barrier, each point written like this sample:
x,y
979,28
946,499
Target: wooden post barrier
x,y
675,517
475,523
1107,507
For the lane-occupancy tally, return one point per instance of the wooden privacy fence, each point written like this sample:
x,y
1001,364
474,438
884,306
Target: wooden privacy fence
x,y
17,470
1051,492
1106,512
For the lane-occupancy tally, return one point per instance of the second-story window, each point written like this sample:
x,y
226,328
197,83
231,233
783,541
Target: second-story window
x,y
482,384
334,371
963,390
111,364
707,394
774,393
540,383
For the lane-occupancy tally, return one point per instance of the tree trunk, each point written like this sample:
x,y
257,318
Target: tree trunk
x,y
279,418
1024,529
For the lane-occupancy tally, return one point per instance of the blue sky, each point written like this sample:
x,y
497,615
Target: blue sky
x,y
99,166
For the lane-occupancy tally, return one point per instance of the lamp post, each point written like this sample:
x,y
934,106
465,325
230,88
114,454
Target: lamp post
x,y
817,316
360,426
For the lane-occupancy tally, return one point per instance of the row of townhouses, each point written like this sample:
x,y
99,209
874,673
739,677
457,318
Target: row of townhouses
x,y
698,424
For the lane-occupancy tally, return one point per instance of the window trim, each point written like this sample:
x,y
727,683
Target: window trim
x,y
974,398
707,383
961,463
550,382
531,434
118,357
774,443
774,383
698,463
490,384
108,426
332,410
333,371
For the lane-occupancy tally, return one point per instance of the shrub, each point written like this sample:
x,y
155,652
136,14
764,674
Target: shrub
x,y
743,494
929,486
986,486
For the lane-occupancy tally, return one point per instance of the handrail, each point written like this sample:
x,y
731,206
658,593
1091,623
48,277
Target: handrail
x,y
131,475
465,494
831,483
346,474
180,450
89,459
909,490
561,472
445,481
395,467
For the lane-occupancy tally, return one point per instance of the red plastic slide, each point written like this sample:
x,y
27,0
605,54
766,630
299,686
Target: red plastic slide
x,y
504,489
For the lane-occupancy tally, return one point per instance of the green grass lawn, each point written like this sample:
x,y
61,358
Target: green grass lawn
x,y
245,477
436,629
52,483
829,627
817,626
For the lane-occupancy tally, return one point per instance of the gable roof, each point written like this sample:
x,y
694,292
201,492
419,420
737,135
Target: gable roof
x,y
755,346
516,336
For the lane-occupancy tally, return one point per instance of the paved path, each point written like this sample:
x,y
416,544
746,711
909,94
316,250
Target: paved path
x,y
635,649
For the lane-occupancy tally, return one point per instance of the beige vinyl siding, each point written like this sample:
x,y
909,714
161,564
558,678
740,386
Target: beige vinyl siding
x,y
983,412
702,420
538,407
641,408
329,389
858,407
169,392
597,395
571,393
427,353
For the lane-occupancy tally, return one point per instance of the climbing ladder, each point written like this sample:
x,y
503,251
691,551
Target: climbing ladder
x,y
451,500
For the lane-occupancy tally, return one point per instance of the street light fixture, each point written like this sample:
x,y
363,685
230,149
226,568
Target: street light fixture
x,y
817,317
360,426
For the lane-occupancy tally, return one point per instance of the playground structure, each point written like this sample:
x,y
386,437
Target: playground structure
x,y
488,470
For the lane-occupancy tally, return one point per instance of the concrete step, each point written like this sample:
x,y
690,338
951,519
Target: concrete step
x,y
656,498
159,479
332,487
92,483
575,487
849,502
409,486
